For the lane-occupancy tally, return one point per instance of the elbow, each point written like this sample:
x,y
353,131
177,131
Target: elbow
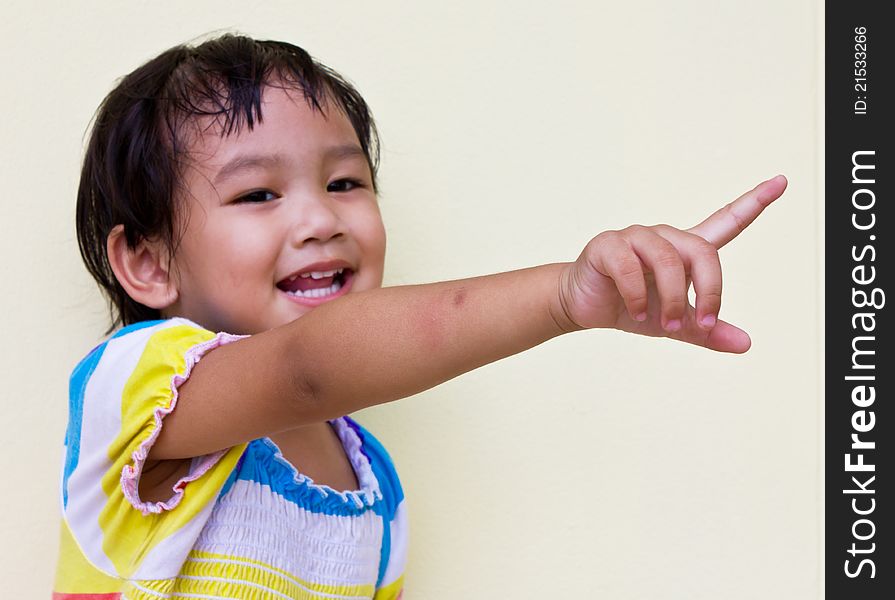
x,y
308,401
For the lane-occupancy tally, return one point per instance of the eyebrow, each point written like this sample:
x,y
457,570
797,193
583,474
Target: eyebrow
x,y
247,162
343,151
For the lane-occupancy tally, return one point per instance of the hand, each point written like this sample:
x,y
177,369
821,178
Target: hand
x,y
637,279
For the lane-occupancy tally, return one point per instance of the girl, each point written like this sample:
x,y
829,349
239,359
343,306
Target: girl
x,y
227,207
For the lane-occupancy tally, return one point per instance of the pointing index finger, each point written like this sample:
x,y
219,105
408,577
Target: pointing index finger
x,y
728,222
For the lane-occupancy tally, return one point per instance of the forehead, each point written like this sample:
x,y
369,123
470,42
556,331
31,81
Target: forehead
x,y
288,123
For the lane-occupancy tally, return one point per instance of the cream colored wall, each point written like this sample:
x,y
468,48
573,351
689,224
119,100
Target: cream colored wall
x,y
597,465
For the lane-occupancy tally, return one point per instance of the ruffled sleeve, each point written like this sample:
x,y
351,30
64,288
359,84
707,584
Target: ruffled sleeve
x,y
119,397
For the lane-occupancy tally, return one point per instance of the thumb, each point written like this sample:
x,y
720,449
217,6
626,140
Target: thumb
x,y
723,337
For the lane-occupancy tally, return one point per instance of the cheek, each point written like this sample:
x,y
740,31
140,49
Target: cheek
x,y
373,232
379,240
374,251
227,261
247,258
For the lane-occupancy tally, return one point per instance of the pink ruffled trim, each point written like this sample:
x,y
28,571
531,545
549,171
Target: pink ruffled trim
x,y
130,474
362,468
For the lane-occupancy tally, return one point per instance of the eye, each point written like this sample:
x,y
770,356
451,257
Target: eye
x,y
257,197
344,185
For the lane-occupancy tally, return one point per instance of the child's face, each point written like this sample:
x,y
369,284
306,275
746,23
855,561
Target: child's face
x,y
265,205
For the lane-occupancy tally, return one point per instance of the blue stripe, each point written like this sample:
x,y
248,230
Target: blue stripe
x,y
389,485
76,387
261,464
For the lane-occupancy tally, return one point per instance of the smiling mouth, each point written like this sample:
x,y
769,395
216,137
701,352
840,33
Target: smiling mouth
x,y
309,287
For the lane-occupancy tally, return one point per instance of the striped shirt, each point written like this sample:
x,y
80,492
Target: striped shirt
x,y
242,523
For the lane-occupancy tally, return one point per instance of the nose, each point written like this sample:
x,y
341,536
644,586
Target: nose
x,y
317,219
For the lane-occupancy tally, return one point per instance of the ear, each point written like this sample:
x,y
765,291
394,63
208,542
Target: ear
x,y
143,271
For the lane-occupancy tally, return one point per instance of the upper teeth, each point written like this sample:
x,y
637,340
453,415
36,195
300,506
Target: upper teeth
x,y
316,274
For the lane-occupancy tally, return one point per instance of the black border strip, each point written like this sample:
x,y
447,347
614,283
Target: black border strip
x,y
859,173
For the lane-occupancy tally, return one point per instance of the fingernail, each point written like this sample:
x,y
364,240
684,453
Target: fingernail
x,y
640,317
673,325
708,321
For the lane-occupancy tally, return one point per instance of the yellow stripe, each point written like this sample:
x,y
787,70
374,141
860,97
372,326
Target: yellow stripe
x,y
206,564
128,536
75,575
392,591
147,590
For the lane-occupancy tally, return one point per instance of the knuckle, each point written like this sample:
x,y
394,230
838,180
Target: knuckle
x,y
629,273
668,258
709,300
673,305
592,250
603,239
629,268
740,225
635,300
705,249
674,299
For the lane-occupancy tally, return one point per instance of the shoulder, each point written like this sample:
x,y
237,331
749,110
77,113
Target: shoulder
x,y
169,341
127,338
142,333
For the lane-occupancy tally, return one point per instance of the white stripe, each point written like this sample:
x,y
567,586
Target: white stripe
x,y
261,568
164,561
397,556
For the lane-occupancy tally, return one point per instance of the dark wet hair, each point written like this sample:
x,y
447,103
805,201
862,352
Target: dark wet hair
x,y
134,158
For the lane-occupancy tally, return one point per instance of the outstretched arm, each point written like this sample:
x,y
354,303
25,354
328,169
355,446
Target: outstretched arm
x,y
363,349
380,345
